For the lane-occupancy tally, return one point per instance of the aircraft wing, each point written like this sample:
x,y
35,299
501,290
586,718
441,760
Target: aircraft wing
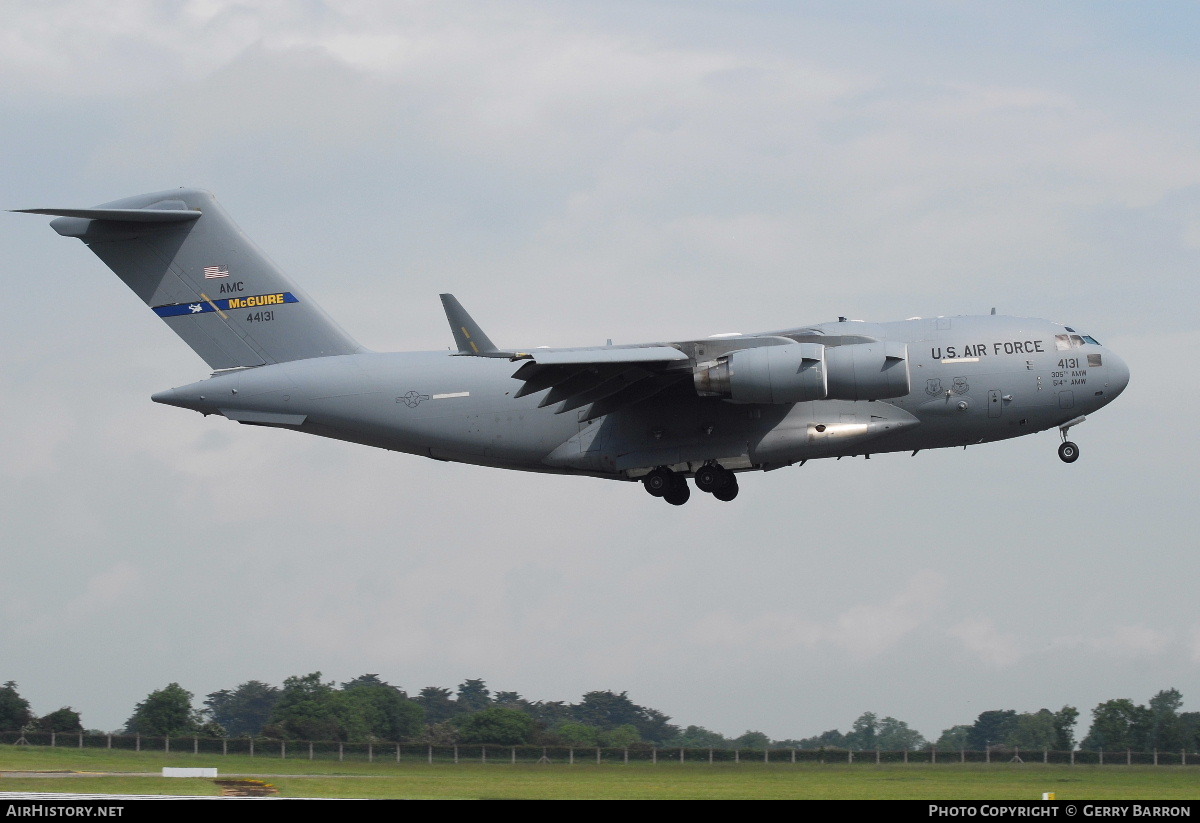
x,y
608,354
603,379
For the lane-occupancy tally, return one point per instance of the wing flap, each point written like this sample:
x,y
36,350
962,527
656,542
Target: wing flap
x,y
580,382
631,394
605,388
603,379
539,378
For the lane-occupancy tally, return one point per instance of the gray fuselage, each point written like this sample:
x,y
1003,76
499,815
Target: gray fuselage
x,y
973,380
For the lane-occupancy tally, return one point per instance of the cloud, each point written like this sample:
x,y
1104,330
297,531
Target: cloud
x,y
981,638
861,631
106,590
1133,641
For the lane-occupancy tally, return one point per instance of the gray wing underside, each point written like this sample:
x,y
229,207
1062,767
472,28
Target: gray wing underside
x,y
603,386
603,379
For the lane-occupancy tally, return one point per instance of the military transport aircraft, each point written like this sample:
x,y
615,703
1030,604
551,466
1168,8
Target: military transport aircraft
x,y
657,412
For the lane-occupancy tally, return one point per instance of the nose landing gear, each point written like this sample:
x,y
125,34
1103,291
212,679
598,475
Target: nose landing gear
x,y
1068,452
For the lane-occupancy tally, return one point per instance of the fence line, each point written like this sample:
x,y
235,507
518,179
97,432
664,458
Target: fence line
x,y
492,753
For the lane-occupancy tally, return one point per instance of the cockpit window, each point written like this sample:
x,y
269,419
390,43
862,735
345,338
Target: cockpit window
x,y
1089,339
1062,342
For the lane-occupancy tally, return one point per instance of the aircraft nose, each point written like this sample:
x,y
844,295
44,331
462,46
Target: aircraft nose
x,y
1118,375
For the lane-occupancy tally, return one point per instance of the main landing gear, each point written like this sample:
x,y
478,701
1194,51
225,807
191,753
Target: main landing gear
x,y
718,481
673,487
664,483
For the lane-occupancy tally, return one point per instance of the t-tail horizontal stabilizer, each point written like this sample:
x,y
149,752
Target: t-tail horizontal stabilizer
x,y
167,212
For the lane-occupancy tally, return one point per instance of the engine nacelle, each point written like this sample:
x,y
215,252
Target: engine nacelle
x,y
868,371
791,373
801,372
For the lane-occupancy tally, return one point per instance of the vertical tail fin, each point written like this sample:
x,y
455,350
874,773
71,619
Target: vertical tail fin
x,y
189,262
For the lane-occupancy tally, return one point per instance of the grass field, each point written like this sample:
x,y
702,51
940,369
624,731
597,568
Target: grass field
x,y
100,770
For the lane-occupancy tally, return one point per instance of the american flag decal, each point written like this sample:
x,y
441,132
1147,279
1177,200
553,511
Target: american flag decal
x,y
213,272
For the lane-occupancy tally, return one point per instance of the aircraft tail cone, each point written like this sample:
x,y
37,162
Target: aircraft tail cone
x,y
169,397
186,397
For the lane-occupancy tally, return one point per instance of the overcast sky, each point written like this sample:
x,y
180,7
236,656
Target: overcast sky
x,y
577,171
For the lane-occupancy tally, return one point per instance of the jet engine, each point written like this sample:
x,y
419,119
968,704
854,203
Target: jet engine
x,y
800,372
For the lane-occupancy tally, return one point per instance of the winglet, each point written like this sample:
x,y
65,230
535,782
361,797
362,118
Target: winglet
x,y
469,338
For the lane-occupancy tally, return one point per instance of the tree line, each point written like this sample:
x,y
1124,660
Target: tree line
x,y
368,708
